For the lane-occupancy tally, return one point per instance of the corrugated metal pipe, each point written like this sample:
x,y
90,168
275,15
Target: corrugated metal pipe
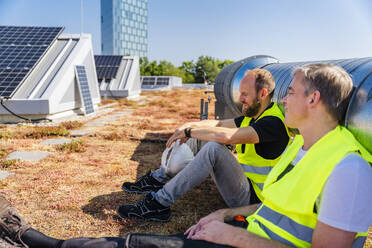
x,y
359,113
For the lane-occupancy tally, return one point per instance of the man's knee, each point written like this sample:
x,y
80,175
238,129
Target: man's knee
x,y
213,146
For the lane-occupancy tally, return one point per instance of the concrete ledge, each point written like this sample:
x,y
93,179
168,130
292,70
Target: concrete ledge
x,y
4,174
94,124
78,133
107,119
55,141
127,111
108,105
28,155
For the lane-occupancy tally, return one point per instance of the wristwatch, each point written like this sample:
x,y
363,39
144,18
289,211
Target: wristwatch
x,y
187,132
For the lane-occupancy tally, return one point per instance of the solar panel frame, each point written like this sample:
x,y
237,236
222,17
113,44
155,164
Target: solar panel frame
x,y
83,85
21,49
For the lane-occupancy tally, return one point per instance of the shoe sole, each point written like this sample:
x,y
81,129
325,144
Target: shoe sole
x,y
143,218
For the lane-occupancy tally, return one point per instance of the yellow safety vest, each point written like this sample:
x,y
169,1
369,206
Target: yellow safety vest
x,y
287,212
255,167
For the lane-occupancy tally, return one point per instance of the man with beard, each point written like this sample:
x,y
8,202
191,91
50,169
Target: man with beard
x,y
260,137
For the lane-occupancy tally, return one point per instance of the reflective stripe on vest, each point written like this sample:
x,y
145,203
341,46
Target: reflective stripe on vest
x,y
297,230
273,235
256,170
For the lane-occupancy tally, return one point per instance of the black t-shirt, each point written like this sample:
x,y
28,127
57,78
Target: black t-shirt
x,y
273,137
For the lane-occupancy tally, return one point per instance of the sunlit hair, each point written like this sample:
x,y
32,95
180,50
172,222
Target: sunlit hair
x,y
334,84
264,79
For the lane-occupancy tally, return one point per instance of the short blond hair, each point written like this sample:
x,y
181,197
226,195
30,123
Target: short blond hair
x,y
334,84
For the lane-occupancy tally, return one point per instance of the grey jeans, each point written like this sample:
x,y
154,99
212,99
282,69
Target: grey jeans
x,y
213,159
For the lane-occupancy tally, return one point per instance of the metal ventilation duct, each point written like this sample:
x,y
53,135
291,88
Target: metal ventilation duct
x,y
359,113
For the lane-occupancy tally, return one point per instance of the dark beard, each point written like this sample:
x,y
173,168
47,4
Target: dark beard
x,y
252,110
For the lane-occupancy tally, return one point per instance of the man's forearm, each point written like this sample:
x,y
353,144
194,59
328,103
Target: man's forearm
x,y
223,135
180,132
225,234
228,133
241,238
228,123
209,134
203,123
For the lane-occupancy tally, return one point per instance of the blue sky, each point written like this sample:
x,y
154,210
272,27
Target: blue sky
x,y
182,30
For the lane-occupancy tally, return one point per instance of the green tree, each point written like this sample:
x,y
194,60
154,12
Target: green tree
x,y
222,64
188,67
153,68
144,66
206,69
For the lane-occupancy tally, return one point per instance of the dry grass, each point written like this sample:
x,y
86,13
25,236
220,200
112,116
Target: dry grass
x,y
76,191
127,103
5,135
74,146
71,124
39,132
32,132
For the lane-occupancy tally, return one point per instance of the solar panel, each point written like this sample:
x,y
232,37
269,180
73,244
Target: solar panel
x,y
23,36
82,79
107,65
162,81
20,50
108,60
106,72
148,81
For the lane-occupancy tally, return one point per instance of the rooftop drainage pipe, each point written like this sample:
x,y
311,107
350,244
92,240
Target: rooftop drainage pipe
x,y
359,113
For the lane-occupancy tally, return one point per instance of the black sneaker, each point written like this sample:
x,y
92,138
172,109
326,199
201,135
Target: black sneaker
x,y
12,226
145,184
147,208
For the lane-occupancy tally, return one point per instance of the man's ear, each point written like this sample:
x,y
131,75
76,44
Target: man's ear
x,y
314,98
264,93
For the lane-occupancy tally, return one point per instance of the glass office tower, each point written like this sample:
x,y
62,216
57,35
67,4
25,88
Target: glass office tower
x,y
124,27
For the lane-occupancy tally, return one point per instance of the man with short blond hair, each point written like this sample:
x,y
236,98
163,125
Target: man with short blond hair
x,y
318,195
